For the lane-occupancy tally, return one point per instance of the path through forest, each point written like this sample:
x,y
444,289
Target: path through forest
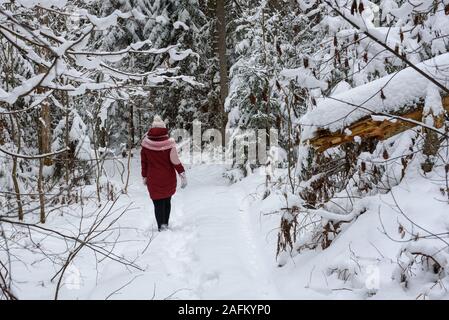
x,y
209,253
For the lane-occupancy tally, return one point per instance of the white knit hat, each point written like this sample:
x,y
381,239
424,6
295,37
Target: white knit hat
x,y
157,122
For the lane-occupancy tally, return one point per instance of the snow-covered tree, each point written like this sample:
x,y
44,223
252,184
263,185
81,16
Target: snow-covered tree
x,y
57,85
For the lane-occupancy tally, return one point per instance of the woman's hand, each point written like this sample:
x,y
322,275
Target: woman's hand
x,y
183,180
144,181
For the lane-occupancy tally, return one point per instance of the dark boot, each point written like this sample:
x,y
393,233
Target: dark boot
x,y
167,209
159,212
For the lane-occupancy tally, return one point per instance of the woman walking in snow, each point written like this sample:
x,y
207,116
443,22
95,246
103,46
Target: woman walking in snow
x,y
159,159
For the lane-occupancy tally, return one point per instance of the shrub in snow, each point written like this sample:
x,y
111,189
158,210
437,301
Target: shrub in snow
x,y
422,265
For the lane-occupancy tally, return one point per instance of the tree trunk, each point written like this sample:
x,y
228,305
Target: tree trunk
x,y
45,131
139,123
44,134
2,128
45,115
223,63
132,130
68,160
44,137
14,168
40,190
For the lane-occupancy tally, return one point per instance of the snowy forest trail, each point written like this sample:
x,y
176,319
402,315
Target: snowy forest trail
x,y
208,253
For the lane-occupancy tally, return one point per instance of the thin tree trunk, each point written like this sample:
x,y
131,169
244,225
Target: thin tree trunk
x,y
223,63
14,168
13,136
96,137
67,142
2,127
125,191
40,190
130,144
290,146
266,89
44,125
44,147
132,130
139,122
45,132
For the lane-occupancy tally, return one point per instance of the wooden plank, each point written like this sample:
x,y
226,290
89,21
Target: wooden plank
x,y
369,128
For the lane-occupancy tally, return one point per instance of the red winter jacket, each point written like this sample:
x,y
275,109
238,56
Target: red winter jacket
x,y
159,159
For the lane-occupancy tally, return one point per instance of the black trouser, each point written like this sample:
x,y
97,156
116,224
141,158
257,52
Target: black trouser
x,y
162,209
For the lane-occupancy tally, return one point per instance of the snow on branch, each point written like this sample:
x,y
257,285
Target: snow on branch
x,y
364,26
335,217
31,157
133,48
383,96
67,62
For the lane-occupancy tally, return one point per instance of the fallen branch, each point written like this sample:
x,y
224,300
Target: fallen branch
x,y
369,127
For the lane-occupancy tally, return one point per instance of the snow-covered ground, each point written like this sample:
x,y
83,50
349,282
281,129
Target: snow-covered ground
x,y
210,251
222,245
